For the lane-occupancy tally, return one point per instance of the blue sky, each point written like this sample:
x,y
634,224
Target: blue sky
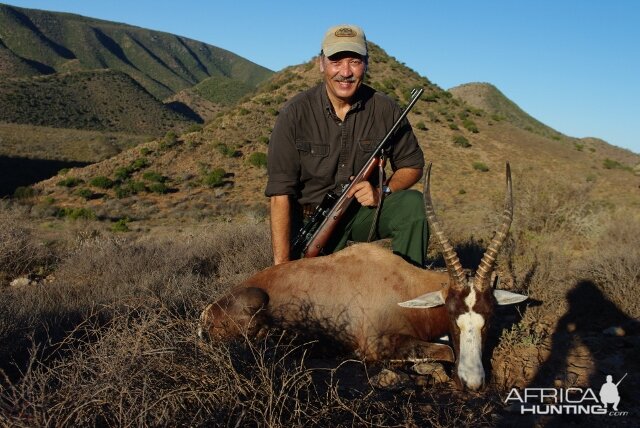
x,y
572,64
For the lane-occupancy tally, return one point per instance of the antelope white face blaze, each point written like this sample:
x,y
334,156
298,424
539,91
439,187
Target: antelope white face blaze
x,y
470,370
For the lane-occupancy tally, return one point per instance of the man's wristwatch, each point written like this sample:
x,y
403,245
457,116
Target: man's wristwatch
x,y
386,190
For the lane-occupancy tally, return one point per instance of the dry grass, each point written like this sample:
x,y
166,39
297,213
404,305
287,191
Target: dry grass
x,y
110,341
20,252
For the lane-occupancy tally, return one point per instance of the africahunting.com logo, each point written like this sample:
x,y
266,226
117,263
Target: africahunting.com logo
x,y
569,401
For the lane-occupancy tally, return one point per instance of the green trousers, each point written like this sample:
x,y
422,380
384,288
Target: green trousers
x,y
401,218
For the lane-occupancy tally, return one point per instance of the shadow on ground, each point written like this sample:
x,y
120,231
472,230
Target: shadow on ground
x,y
16,171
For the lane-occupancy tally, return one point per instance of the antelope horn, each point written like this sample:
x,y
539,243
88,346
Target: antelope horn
x,y
450,257
487,264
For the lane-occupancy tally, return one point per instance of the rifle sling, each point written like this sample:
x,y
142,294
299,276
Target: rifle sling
x,y
376,214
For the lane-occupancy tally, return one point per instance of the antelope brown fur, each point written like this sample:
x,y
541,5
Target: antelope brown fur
x,y
375,303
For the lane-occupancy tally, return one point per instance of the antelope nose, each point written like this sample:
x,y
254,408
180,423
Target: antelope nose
x,y
471,381
475,384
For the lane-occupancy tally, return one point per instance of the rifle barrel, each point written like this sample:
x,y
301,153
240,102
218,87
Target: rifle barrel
x,y
316,242
625,375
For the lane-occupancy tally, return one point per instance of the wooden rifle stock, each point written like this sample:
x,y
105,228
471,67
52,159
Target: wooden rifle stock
x,y
329,224
318,240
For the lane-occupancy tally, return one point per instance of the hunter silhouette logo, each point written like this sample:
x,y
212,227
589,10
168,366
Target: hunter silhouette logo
x,y
568,401
609,392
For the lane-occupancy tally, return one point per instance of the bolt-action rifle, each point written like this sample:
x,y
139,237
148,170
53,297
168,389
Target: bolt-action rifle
x,y
313,236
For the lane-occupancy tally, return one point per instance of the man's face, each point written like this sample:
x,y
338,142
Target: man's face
x,y
343,74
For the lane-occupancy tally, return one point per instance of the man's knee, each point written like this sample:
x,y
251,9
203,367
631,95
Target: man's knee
x,y
411,204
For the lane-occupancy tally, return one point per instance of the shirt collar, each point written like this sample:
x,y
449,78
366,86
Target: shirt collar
x,y
326,102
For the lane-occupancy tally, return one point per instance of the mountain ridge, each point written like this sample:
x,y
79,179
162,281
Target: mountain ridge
x,y
218,172
488,97
161,62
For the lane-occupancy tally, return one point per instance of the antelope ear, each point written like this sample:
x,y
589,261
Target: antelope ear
x,y
504,297
429,300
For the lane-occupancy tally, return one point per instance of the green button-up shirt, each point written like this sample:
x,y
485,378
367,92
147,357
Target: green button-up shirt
x,y
312,151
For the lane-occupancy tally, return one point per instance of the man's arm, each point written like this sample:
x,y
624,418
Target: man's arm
x,y
280,228
369,196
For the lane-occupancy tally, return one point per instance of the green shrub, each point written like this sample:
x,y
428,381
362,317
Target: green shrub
x,y
453,127
24,192
140,163
101,182
70,182
578,146
158,187
461,141
215,178
84,193
137,186
264,140
120,225
227,151
194,128
145,151
63,171
433,117
462,192
130,188
154,176
480,166
76,213
611,164
470,125
258,159
122,173
420,125
122,192
170,139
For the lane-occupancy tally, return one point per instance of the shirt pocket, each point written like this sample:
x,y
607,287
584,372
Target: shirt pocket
x,y
314,159
310,148
369,144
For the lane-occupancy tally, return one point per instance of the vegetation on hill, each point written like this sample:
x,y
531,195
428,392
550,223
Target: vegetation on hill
x,y
102,100
161,63
222,90
47,143
70,72
117,259
454,135
487,97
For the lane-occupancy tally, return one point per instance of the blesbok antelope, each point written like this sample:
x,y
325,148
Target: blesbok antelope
x,y
376,303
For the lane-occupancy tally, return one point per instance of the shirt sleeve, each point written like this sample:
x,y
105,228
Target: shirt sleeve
x,y
283,164
406,152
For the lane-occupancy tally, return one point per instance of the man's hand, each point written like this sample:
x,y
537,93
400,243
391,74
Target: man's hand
x,y
365,194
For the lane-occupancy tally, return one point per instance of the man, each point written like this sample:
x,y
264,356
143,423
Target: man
x,y
609,393
324,136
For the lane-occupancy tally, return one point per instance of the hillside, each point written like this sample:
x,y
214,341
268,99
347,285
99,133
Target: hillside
x,y
487,97
216,172
161,63
73,73
99,100
107,267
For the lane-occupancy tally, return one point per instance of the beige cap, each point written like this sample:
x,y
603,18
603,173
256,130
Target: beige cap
x,y
343,38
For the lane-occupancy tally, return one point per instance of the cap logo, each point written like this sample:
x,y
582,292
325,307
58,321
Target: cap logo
x,y
345,32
